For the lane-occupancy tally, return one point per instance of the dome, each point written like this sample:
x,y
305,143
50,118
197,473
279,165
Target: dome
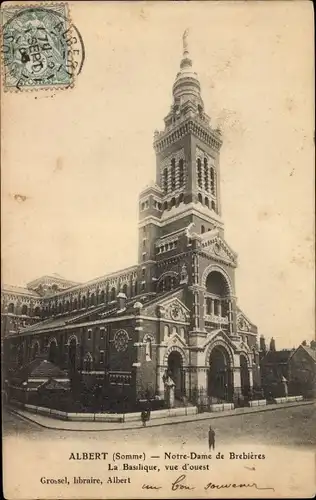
x,y
186,86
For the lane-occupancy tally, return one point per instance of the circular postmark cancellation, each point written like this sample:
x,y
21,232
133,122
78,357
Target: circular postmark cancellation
x,y
41,48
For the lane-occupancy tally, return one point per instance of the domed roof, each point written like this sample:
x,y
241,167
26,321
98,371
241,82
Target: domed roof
x,y
186,86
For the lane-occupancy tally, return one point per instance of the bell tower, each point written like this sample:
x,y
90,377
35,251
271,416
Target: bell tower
x,y
187,156
186,193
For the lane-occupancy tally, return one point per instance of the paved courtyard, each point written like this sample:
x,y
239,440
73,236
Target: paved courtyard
x,y
294,426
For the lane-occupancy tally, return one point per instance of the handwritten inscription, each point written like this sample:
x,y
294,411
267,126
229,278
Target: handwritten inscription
x,y
181,484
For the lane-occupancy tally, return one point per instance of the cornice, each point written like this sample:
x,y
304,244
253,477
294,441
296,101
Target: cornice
x,y
189,125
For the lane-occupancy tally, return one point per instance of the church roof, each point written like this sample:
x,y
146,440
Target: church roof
x,y
40,368
277,357
56,322
20,290
96,314
311,352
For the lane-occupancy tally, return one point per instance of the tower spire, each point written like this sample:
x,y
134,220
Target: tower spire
x,y
186,86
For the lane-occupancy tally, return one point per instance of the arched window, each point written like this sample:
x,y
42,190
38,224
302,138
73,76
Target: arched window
x,y
67,305
102,297
202,229
75,305
181,173
213,205
200,198
124,289
173,202
173,174
166,331
207,204
148,349
174,330
83,301
11,308
206,179
93,300
217,284
24,309
199,172
59,308
72,349
165,180
212,181
182,331
165,205
37,311
181,198
167,281
112,294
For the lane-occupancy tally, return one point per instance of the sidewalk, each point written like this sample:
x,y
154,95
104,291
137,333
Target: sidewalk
x,y
61,425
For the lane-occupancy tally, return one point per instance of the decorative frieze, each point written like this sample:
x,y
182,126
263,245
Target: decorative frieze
x,y
203,132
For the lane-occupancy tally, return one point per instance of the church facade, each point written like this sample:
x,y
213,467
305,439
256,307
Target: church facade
x,y
173,317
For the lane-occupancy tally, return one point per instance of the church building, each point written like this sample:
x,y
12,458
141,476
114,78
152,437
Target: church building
x,y
172,319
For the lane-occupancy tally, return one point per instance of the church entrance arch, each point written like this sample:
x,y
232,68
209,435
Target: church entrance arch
x,y
175,372
244,376
220,375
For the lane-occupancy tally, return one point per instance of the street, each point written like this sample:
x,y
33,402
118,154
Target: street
x,y
271,449
294,426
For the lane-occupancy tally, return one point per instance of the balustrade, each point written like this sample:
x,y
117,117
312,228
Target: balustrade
x,y
215,318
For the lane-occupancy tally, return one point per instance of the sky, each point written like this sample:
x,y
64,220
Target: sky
x,y
79,157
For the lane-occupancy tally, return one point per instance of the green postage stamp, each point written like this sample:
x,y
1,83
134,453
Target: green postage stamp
x,y
41,49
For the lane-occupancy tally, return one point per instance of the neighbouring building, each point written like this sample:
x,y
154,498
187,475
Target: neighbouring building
x,y
274,369
302,371
172,320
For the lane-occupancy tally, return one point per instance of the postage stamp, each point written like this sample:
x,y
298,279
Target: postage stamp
x,y
41,48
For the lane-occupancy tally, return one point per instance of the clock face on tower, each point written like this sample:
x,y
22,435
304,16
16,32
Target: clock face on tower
x,y
121,340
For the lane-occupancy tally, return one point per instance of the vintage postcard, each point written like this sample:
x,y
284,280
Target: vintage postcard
x,y
157,306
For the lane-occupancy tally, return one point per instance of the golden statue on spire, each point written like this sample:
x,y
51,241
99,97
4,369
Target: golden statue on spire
x,y
185,42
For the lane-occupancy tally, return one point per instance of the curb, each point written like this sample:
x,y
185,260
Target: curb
x,y
208,416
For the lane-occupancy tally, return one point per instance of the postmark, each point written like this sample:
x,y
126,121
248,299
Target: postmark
x,y
41,47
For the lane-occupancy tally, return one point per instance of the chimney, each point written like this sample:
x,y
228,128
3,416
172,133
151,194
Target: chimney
x,y
122,301
272,344
263,344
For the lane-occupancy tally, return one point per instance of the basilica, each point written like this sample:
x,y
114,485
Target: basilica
x,y
171,319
